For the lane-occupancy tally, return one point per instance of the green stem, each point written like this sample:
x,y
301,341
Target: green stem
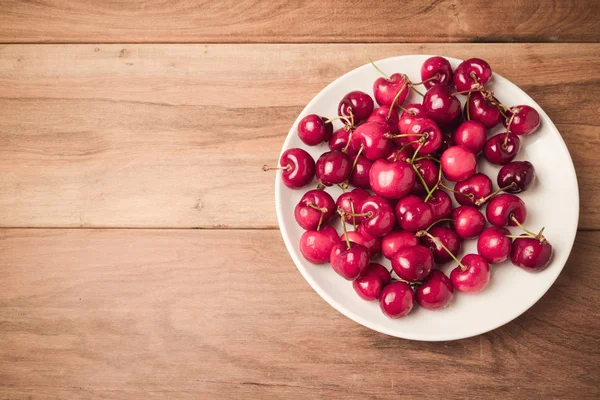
x,y
416,152
468,108
416,91
395,99
438,221
437,241
376,67
422,179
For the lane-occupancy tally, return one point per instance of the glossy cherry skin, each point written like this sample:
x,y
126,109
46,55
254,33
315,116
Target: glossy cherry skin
x,y
494,245
441,204
429,170
413,112
475,278
351,202
482,110
441,106
349,262
470,134
373,243
436,292
463,75
381,218
333,167
497,153
380,115
472,189
447,142
447,237
436,66
313,130
400,154
340,139
413,264
503,207
357,103
531,254
396,300
394,241
371,136
525,122
300,168
458,163
413,214
468,222
433,138
316,246
386,90
359,176
392,180
516,176
371,282
308,217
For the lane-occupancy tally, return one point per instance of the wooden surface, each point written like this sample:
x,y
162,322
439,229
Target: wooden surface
x,y
124,124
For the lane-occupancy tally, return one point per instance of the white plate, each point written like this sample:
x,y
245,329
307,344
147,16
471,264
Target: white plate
x,y
553,202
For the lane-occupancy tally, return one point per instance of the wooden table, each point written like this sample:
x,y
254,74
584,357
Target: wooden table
x,y
139,251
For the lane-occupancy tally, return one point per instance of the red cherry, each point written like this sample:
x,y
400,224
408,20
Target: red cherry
x,y
429,171
441,106
474,277
470,134
316,246
386,90
427,130
477,187
468,222
447,237
351,202
371,136
532,254
394,241
501,149
494,245
441,205
371,282
503,207
315,207
373,243
339,141
349,261
392,180
412,264
413,112
447,142
436,292
400,154
379,216
471,72
458,163
382,115
298,168
356,104
436,71
396,300
480,109
526,120
333,167
516,176
359,176
413,214
313,130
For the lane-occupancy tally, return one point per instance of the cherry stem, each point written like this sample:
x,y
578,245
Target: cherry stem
x,y
416,152
428,158
416,91
345,149
353,216
439,243
323,211
435,77
343,118
376,67
392,136
267,168
320,186
398,279
343,187
465,91
343,215
439,181
395,99
508,129
489,196
422,179
522,227
403,147
467,106
437,222
469,195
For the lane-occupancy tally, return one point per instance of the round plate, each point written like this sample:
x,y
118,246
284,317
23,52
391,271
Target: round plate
x,y
553,202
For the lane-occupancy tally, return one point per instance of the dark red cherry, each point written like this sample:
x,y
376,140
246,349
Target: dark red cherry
x,y
413,111
392,90
436,292
429,171
413,214
441,106
458,163
298,168
351,202
494,245
503,207
441,204
357,104
468,222
477,187
470,134
435,71
373,243
379,216
394,241
413,264
447,237
371,282
400,154
371,136
316,246
526,120
516,176
382,115
392,180
315,207
396,300
501,150
313,130
339,141
426,129
471,72
532,254
474,277
333,167
447,142
349,261
478,108
359,176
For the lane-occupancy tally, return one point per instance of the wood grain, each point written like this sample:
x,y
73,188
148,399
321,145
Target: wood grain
x,y
179,21
225,314
174,135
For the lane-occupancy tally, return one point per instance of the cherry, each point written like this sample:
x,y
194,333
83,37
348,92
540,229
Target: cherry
x,y
298,168
394,241
532,254
392,90
436,292
359,176
470,134
379,216
357,106
350,203
471,72
441,204
501,148
516,176
427,134
474,189
447,237
315,208
316,246
458,163
413,264
371,282
392,180
371,136
333,167
339,141
468,222
349,259
447,142
313,130
400,154
494,244
382,115
441,106
429,171
436,71
396,300
480,109
506,209
411,113
373,243
413,214
472,274
524,120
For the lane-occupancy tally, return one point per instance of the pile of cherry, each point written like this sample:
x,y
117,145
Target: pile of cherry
x,y
406,155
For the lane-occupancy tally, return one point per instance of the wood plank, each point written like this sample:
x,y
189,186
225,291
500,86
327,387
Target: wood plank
x,y
179,21
204,314
174,135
